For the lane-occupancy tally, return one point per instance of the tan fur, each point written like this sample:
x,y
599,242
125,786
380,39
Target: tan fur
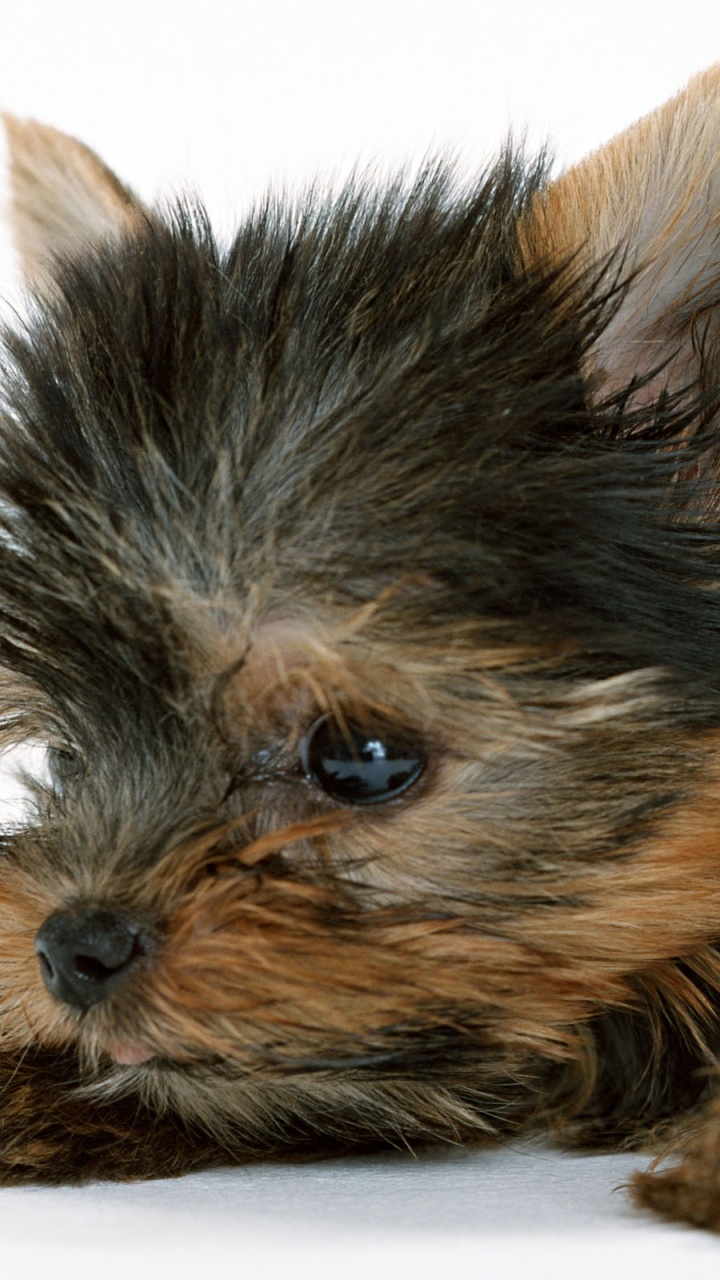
x,y
647,203
88,202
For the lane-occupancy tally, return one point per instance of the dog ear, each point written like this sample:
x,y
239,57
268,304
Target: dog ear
x,y
648,205
62,198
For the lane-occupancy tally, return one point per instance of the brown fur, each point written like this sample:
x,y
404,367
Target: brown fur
x,y
433,468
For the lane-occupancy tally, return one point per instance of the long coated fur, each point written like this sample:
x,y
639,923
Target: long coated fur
x,y
360,581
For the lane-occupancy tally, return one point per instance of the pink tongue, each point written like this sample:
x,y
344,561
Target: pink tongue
x,y
129,1055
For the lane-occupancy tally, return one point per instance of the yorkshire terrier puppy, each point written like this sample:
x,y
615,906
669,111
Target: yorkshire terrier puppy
x,y
361,582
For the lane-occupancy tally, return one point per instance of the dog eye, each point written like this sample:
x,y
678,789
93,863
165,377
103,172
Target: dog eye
x,y
362,763
63,764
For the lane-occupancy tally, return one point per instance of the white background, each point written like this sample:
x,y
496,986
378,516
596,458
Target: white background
x,y
222,98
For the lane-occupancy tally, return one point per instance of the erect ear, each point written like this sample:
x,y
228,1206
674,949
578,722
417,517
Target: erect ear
x,y
62,197
652,197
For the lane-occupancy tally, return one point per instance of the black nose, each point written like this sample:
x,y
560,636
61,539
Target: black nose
x,y
84,954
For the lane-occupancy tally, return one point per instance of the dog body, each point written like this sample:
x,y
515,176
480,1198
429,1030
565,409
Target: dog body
x,y
361,581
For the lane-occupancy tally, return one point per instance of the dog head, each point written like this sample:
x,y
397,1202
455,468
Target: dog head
x,y
359,580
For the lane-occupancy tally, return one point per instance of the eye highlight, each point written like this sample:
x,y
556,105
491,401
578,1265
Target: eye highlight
x,y
362,763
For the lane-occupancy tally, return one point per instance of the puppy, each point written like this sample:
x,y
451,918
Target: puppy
x,y
360,581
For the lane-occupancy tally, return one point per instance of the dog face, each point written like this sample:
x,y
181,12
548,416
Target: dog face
x,y
360,581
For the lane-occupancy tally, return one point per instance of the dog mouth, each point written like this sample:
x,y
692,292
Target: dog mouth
x,y
432,1053
131,1054
126,1054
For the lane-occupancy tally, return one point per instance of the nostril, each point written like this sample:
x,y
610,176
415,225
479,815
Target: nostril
x,y
84,954
92,970
46,965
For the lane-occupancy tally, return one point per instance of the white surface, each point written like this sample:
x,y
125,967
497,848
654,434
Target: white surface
x,y
500,1215
223,97
227,95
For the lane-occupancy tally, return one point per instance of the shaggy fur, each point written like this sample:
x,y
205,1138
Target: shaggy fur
x,y
361,582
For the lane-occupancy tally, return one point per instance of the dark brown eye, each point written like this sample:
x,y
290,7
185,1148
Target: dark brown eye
x,y
362,763
63,764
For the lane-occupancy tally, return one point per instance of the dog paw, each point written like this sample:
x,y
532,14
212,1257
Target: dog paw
x,y
688,1191
51,1133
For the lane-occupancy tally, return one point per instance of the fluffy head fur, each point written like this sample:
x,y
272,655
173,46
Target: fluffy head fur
x,y
361,581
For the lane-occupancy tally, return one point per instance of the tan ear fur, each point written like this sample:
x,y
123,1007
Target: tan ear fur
x,y
62,197
653,196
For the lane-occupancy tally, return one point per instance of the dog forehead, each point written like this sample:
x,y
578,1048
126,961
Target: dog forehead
x,y
250,648
274,660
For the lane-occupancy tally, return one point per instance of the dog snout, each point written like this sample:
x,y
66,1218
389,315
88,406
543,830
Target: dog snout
x,y
84,954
